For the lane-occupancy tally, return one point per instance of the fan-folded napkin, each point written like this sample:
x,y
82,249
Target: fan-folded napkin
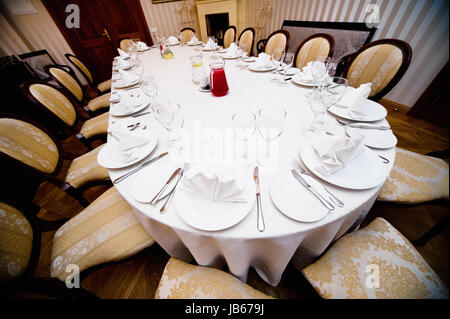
x,y
123,54
354,99
172,40
263,61
232,51
127,144
306,75
194,40
142,45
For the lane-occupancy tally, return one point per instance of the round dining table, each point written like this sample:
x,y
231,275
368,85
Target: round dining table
x,y
207,136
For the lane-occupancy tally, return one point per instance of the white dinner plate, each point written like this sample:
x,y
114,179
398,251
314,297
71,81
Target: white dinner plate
x,y
294,200
205,214
266,69
110,157
250,59
290,71
372,111
206,49
121,83
365,171
229,58
374,138
142,50
117,109
152,179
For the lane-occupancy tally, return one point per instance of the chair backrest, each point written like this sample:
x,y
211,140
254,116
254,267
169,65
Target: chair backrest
x,y
124,44
229,36
81,67
52,99
29,145
382,62
187,33
277,39
247,37
320,44
66,80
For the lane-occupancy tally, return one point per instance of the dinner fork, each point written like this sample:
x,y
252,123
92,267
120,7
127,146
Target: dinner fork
x,y
363,125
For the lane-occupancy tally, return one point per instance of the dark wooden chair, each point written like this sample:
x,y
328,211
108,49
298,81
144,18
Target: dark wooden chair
x,y
319,44
358,68
32,155
83,68
229,36
73,86
247,37
60,108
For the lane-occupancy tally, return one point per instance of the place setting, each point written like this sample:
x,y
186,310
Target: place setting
x,y
263,63
314,73
129,102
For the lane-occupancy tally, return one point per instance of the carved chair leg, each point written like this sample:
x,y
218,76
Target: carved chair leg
x,y
75,193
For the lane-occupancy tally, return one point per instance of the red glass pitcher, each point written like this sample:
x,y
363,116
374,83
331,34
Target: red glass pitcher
x,y
219,85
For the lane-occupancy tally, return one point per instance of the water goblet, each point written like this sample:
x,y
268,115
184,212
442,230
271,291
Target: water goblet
x,y
317,106
277,58
287,63
244,127
271,123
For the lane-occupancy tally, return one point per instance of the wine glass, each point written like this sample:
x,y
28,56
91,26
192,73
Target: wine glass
x,y
214,47
138,67
287,63
244,127
149,86
320,69
243,49
331,93
271,123
317,106
277,58
170,116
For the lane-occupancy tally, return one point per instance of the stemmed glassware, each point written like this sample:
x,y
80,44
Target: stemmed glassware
x,y
214,48
244,127
271,123
170,116
287,63
138,67
243,48
150,87
277,59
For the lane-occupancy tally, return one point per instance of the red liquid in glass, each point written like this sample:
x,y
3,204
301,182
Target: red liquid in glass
x,y
219,85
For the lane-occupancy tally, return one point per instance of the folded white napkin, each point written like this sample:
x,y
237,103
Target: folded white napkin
x,y
142,45
232,51
173,40
354,99
133,99
127,144
123,64
336,151
123,54
128,77
263,61
305,75
210,45
194,40
217,183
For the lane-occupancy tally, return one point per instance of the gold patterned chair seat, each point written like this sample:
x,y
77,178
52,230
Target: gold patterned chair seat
x,y
95,126
104,86
99,102
416,178
28,144
184,281
105,231
16,241
85,169
374,262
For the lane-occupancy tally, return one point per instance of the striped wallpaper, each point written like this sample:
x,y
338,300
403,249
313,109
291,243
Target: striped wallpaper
x,y
421,23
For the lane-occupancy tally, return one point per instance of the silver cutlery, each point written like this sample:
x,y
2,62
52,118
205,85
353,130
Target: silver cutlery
x,y
298,177
121,178
260,218
364,125
140,114
385,160
333,198
172,193
132,127
158,195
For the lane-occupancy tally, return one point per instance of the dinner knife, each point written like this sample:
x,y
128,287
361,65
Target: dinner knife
x,y
121,178
368,126
140,114
174,174
260,217
172,193
298,177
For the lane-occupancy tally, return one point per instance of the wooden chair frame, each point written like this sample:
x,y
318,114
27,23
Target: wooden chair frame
x,y
253,38
93,84
263,42
327,36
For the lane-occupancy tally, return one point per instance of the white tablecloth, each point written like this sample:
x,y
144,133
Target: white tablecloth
x,y
242,246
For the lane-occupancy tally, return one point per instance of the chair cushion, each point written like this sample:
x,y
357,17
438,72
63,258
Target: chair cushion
x,y
184,281
342,272
377,64
84,70
99,102
104,86
85,169
416,178
16,241
95,126
28,144
68,82
55,101
105,231
310,50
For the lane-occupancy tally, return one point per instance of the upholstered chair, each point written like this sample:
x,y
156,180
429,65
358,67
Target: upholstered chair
x,y
187,33
247,38
34,151
124,44
62,109
382,62
374,262
229,36
320,44
184,281
278,39
101,87
75,88
105,231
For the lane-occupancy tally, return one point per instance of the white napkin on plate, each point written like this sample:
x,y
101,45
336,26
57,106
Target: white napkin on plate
x,y
142,45
305,75
173,40
354,99
127,144
217,183
193,41
128,77
131,100
210,45
123,54
232,51
262,62
336,151
123,64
